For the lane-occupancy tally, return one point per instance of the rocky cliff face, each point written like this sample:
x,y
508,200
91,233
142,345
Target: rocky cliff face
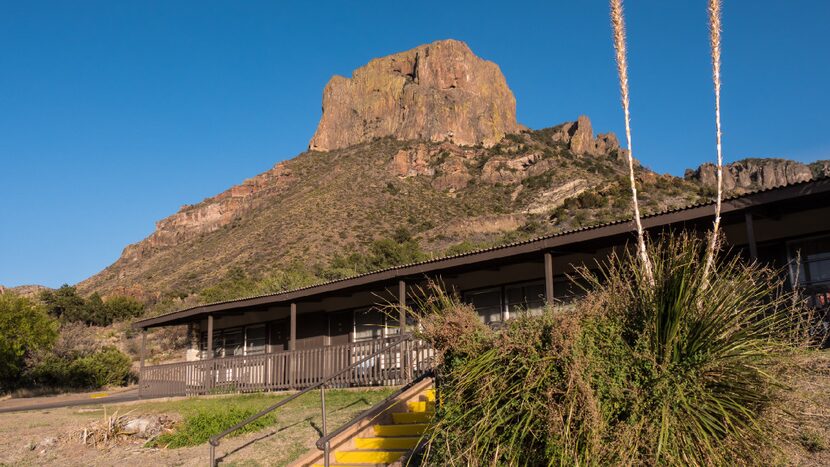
x,y
212,213
435,92
751,174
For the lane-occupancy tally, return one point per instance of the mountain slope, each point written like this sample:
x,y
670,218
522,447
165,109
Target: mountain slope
x,y
420,143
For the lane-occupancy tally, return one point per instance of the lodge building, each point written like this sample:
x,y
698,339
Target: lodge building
x,y
293,339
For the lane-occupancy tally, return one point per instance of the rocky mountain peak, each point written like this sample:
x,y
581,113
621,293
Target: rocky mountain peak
x,y
436,92
578,136
751,174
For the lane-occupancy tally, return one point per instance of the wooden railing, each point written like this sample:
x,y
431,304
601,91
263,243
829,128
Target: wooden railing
x,y
397,360
289,369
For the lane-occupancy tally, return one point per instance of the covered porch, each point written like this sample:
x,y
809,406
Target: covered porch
x,y
294,339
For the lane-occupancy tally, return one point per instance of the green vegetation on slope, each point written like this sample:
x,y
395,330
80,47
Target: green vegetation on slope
x,y
67,305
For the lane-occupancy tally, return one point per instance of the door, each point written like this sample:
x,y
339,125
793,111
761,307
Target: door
x,y
341,325
279,333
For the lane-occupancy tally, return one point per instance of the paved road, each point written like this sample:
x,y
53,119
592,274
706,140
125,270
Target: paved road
x,y
67,400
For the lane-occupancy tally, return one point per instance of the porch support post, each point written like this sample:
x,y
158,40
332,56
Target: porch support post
x,y
402,305
141,361
209,374
549,278
210,337
403,352
292,343
750,236
292,346
143,348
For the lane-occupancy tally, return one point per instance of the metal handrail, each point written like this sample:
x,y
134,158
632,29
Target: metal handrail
x,y
214,440
321,443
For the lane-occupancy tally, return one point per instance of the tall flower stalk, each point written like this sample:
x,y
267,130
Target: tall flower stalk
x,y
618,22
714,41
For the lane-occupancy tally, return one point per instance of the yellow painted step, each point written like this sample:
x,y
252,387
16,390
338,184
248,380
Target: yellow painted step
x,y
344,465
407,442
429,394
368,457
334,464
411,417
421,406
415,429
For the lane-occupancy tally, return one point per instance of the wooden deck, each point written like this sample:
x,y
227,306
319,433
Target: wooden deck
x,y
289,370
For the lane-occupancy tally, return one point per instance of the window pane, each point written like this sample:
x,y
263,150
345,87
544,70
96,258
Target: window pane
x,y
255,338
487,303
233,341
525,298
368,325
813,272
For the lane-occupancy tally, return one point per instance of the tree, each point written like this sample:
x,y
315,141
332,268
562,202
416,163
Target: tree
x,y
25,327
120,308
64,302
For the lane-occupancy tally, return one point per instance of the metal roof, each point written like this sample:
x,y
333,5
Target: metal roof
x,y
547,242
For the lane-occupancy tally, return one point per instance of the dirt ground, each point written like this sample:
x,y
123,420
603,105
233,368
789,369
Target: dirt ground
x,y
53,436
803,422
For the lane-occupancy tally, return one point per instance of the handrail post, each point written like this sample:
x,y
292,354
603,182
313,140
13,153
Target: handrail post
x,y
212,454
141,374
325,429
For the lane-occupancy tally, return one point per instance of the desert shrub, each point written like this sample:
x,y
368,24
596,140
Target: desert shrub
x,y
105,367
25,328
676,373
236,284
400,248
66,304
120,308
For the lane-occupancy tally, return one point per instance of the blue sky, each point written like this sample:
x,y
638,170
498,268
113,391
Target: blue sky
x,y
114,114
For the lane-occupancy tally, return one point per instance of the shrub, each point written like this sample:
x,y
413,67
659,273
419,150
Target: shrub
x,y
121,308
25,328
106,367
66,304
676,373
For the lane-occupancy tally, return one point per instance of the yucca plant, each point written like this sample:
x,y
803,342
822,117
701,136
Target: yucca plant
x,y
703,349
663,372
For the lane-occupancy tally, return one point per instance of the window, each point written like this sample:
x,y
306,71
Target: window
x,y
369,324
812,270
523,298
236,341
255,340
487,303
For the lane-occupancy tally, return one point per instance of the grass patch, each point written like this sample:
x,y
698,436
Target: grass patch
x,y
812,441
205,417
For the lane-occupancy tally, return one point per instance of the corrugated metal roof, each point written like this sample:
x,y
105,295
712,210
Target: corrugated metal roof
x,y
485,250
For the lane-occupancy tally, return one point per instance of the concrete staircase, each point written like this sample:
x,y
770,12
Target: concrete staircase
x,y
387,438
